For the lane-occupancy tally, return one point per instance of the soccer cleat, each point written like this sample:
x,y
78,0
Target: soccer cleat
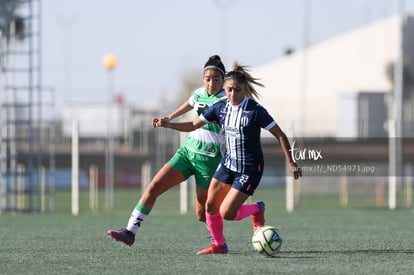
x,y
258,219
122,235
214,249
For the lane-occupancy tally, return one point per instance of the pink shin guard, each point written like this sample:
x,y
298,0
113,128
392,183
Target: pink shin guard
x,y
215,225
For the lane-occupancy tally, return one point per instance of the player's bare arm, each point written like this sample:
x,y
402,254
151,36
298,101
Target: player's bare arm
x,y
181,126
184,108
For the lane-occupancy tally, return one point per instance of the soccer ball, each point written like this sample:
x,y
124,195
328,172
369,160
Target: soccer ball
x,y
267,240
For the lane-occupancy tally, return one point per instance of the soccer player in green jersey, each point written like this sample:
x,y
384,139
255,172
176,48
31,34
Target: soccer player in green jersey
x,y
199,155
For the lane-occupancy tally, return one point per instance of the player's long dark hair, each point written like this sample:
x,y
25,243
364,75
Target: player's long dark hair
x,y
241,75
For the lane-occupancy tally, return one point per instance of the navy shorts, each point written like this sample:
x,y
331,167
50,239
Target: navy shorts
x,y
246,183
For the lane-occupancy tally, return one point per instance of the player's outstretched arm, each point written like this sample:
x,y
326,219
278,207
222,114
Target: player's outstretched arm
x,y
184,108
187,126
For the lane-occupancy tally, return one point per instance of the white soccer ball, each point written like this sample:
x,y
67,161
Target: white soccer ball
x,y
267,240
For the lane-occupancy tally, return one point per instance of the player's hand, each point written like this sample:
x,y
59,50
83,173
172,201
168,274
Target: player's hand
x,y
159,121
295,170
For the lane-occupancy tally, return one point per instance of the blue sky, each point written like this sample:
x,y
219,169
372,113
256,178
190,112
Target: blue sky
x,y
158,41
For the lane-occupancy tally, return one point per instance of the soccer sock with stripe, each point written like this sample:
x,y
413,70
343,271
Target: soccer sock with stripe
x,y
138,215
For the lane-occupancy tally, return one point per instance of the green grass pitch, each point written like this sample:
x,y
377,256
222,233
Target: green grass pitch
x,y
319,238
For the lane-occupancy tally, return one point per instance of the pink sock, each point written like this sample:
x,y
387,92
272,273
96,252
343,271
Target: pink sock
x,y
246,210
215,225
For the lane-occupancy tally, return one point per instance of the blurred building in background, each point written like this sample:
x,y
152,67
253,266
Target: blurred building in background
x,y
341,87
135,142
336,98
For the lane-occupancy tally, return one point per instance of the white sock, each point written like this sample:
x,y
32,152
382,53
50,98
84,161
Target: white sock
x,y
135,221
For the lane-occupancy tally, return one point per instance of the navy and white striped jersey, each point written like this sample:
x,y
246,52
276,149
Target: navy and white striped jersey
x,y
241,125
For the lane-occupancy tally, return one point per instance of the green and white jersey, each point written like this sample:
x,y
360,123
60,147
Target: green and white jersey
x,y
207,140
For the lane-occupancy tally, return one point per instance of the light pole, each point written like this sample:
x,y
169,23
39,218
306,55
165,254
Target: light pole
x,y
395,121
109,61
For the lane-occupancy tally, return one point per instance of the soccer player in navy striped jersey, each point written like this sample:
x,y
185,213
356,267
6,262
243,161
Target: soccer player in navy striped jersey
x,y
199,155
241,119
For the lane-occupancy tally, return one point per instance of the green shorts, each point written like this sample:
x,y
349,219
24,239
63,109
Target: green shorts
x,y
190,163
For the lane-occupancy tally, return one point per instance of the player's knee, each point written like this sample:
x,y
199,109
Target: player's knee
x,y
211,208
